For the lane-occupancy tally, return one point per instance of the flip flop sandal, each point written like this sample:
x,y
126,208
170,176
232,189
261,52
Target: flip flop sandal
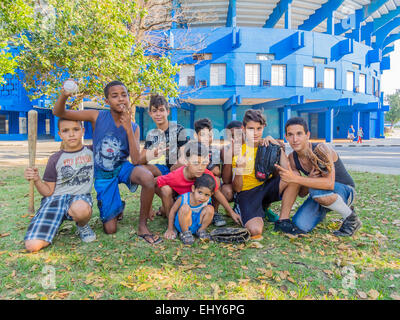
x,y
146,236
187,237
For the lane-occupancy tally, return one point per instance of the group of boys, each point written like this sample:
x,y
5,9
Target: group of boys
x,y
186,175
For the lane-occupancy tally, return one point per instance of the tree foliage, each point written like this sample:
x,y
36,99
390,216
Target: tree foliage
x,y
393,115
15,16
91,42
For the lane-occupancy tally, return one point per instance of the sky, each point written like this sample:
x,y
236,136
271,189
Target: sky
x,y
390,79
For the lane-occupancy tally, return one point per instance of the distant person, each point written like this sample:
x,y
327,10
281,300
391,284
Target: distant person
x,y
350,133
360,135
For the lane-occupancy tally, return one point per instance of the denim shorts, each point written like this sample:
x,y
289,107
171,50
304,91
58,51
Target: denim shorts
x,y
311,212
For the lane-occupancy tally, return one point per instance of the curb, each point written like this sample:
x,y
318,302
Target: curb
x,y
365,145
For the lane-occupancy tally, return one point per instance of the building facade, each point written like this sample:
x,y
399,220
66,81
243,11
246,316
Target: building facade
x,y
320,59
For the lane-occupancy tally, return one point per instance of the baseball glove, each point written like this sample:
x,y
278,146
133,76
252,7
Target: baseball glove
x,y
230,235
266,158
320,158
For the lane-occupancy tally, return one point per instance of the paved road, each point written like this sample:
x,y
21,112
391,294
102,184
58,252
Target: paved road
x,y
371,159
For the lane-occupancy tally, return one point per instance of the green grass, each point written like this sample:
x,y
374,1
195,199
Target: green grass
x,y
122,266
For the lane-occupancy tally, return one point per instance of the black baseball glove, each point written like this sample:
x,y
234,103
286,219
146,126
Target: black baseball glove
x,y
266,158
230,235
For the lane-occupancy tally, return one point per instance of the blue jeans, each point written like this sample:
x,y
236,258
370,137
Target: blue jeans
x,y
311,212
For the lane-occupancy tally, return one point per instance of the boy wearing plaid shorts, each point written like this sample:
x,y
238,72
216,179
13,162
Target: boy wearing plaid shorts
x,y
66,189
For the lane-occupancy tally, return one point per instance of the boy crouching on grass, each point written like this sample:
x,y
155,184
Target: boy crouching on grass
x,y
195,211
66,189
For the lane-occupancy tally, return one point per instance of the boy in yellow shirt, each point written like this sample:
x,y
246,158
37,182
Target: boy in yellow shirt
x,y
253,195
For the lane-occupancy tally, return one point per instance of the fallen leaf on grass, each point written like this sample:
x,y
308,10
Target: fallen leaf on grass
x,y
31,296
256,245
144,287
208,276
362,294
395,296
2,235
332,292
373,294
291,280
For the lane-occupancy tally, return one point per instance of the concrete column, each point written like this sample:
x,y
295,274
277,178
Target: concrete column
x,y
41,126
284,116
23,123
233,112
55,129
174,114
329,125
380,124
288,17
13,122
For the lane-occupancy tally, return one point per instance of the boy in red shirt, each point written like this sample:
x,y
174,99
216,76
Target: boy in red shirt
x,y
182,179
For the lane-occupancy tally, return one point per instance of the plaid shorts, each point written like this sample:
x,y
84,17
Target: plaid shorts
x,y
51,214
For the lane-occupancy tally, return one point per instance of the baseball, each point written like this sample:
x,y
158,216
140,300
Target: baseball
x,y
70,86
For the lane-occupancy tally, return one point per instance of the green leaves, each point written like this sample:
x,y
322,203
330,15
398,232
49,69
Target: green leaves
x,y
90,41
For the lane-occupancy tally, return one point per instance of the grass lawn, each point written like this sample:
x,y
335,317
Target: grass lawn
x,y
122,266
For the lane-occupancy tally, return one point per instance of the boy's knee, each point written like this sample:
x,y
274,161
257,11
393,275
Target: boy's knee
x,y
185,210
327,200
110,227
80,210
166,191
145,178
35,245
227,191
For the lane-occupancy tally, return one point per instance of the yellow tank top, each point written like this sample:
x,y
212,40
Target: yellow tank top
x,y
249,179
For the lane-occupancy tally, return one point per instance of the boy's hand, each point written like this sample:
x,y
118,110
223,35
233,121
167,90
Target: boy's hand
x,y
266,141
170,234
31,174
287,175
126,119
64,93
235,217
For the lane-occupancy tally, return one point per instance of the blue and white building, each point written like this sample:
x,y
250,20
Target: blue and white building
x,y
318,59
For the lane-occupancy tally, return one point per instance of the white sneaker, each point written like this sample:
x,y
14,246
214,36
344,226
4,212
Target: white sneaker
x,y
86,233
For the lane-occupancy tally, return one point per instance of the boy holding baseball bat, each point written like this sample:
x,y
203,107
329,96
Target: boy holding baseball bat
x,y
66,189
115,138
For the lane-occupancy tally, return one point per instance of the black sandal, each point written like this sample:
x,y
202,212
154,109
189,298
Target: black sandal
x,y
146,236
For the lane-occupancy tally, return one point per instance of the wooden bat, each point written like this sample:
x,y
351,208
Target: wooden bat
x,y
32,138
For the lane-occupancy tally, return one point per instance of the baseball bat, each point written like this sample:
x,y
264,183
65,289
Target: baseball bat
x,y
32,138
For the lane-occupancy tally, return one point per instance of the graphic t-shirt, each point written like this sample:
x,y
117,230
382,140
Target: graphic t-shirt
x,y
173,138
71,171
110,144
249,178
177,181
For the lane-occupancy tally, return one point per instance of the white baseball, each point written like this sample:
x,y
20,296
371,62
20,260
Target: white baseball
x,y
70,86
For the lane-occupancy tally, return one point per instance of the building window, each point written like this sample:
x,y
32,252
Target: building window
x,y
202,56
317,60
265,56
217,74
186,75
361,83
252,74
350,81
329,78
309,77
356,66
278,75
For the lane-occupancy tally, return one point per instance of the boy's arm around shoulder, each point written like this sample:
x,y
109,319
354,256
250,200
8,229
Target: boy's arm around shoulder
x,y
78,115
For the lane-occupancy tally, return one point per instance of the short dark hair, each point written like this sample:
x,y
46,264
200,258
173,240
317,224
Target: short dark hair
x,y
234,124
297,121
202,124
195,148
64,119
158,100
254,115
205,180
113,84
